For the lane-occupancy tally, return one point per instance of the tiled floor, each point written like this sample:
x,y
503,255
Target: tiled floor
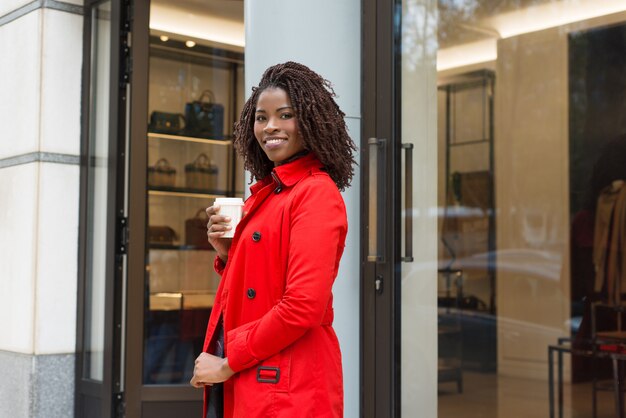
x,y
490,396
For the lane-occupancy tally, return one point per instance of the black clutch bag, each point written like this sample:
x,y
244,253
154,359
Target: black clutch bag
x,y
204,117
166,123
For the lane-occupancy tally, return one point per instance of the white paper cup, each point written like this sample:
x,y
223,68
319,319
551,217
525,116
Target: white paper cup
x,y
232,207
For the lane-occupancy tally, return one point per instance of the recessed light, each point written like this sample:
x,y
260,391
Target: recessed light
x,y
190,44
164,38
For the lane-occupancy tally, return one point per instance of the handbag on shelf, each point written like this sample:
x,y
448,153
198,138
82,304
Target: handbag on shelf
x,y
201,173
196,230
166,123
204,117
161,174
161,234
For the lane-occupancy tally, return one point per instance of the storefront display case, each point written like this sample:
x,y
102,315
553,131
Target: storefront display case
x,y
193,97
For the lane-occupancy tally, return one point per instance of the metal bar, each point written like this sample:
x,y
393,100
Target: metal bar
x,y
619,409
551,380
408,203
560,383
373,254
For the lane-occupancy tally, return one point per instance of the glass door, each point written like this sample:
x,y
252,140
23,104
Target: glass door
x,y
494,146
187,89
417,168
102,213
399,364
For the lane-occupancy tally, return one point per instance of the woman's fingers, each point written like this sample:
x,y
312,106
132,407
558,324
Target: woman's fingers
x,y
218,224
219,220
212,210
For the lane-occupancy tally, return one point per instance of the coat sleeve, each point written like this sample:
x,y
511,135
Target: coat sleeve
x,y
318,230
219,265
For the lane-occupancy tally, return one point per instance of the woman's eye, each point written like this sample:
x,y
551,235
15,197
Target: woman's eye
x,y
286,116
259,118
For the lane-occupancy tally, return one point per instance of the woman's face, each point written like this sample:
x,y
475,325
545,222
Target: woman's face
x,y
276,127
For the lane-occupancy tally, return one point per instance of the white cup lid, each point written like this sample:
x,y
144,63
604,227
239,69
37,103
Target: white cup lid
x,y
229,201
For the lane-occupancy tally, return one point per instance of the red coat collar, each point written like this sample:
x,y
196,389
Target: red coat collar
x,y
290,173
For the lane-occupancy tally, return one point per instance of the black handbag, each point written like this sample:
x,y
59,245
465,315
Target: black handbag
x,y
204,117
166,123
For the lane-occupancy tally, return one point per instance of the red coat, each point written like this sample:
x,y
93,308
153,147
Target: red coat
x,y
276,301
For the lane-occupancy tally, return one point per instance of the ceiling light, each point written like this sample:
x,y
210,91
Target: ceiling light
x,y
164,38
467,54
190,44
545,16
171,19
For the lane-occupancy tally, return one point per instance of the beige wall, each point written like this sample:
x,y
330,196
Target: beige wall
x,y
531,188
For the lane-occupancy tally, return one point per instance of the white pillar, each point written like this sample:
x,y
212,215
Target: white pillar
x,y
326,36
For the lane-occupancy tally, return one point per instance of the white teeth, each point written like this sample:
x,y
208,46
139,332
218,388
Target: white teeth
x,y
274,141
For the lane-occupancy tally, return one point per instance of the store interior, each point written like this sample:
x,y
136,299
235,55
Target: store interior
x,y
530,94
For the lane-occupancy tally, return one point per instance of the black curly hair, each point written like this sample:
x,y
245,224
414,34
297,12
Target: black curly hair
x,y
320,122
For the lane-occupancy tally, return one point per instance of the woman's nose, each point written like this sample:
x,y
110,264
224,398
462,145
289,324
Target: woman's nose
x,y
271,125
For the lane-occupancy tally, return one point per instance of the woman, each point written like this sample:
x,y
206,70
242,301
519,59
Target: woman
x,y
272,317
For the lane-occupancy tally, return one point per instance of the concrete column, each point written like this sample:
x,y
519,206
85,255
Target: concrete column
x,y
40,75
326,36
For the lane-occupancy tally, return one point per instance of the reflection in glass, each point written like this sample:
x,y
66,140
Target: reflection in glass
x,y
98,171
418,287
530,109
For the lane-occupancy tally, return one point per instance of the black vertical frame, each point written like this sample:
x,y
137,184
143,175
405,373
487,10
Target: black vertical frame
x,y
380,309
144,400
137,207
95,399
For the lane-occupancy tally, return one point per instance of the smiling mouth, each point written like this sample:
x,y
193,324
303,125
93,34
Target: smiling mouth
x,y
274,141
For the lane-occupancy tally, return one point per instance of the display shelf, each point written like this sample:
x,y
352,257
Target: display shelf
x,y
223,142
448,330
173,247
185,192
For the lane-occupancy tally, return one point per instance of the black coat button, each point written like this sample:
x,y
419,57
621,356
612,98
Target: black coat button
x,y
251,293
256,237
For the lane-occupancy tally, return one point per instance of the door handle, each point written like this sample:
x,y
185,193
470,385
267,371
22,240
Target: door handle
x,y
376,205
408,203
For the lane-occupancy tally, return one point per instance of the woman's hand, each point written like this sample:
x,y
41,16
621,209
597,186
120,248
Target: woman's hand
x,y
217,226
210,369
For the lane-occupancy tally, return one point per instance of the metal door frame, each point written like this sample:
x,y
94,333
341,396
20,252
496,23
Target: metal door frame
x,y
106,392
136,392
380,310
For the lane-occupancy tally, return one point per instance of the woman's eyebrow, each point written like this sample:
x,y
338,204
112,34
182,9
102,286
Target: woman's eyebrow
x,y
278,110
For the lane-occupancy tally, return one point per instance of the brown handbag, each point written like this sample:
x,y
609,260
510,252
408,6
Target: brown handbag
x,y
162,174
201,173
196,230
